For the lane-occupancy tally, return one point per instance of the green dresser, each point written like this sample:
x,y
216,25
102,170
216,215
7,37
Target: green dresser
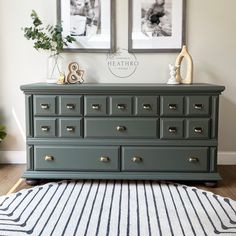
x,y
122,131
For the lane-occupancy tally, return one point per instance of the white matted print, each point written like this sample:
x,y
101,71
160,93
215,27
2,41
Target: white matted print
x,y
156,25
91,22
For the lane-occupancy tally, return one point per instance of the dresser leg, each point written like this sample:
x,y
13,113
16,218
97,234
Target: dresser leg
x,y
210,184
32,182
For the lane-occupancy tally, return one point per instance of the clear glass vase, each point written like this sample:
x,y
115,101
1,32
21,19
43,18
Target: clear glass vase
x,y
54,68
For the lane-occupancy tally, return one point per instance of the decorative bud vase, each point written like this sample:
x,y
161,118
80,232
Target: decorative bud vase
x,y
54,68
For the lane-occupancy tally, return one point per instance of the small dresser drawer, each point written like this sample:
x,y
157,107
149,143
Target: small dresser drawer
x,y
121,128
45,127
70,128
71,158
186,159
198,128
95,106
70,105
146,106
44,105
172,128
120,105
172,105
197,105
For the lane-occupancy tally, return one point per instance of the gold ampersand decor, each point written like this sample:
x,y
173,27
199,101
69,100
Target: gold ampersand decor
x,y
75,74
189,75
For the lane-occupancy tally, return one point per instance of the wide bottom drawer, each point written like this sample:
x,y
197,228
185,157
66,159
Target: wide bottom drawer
x,y
72,158
185,159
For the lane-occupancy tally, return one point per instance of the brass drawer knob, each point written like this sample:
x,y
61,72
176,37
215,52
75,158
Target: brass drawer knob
x,y
70,106
198,130
44,106
96,107
70,129
198,106
136,159
104,159
172,130
172,106
48,158
45,128
120,128
121,106
193,160
147,107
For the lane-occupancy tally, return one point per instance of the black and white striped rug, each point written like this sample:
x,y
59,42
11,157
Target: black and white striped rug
x,y
116,208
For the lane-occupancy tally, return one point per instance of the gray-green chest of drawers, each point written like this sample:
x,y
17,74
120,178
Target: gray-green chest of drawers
x,y
122,131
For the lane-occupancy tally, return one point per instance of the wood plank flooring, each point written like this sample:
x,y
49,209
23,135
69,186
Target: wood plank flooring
x,y
9,175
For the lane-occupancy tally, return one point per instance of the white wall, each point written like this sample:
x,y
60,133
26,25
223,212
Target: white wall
x,y
211,38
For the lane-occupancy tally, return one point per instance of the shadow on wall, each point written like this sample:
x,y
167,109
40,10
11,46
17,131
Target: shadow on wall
x,y
227,126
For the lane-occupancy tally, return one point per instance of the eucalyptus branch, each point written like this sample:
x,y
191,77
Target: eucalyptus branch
x,y
47,38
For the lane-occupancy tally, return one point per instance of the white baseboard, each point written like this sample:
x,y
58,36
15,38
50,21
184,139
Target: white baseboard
x,y
12,157
227,158
19,157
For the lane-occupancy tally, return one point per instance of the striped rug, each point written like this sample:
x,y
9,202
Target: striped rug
x,y
116,208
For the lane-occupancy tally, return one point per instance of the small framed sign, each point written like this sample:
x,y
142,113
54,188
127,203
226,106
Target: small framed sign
x,y
91,22
156,25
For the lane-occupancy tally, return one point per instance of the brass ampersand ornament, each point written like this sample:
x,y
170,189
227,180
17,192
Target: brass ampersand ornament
x,y
75,74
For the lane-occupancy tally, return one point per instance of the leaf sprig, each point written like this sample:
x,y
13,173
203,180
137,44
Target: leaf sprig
x,y
2,132
46,38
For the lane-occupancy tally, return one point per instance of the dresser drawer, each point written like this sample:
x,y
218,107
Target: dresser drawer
x,y
70,127
45,127
186,159
95,105
172,105
146,105
121,128
198,128
70,105
81,158
120,105
197,105
44,105
171,128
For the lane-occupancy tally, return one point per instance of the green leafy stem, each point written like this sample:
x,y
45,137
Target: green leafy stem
x,y
47,38
2,132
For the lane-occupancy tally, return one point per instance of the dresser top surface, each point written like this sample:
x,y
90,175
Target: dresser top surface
x,y
122,87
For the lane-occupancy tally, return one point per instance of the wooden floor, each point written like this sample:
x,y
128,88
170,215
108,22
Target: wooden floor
x,y
10,174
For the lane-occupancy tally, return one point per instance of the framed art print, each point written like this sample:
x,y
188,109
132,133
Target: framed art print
x,y
90,22
156,25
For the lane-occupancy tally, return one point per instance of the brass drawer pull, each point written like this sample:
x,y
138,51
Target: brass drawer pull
x,y
198,130
70,106
198,106
96,107
104,159
44,106
147,107
48,158
193,159
45,128
172,130
70,129
121,106
136,159
172,106
121,128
